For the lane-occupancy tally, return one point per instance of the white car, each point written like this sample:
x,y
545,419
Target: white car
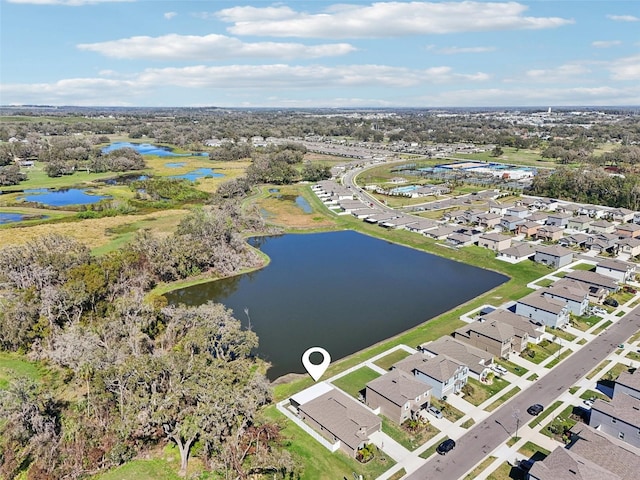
x,y
499,369
588,402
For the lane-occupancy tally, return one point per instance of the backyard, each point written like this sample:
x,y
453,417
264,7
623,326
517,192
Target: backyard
x,y
355,382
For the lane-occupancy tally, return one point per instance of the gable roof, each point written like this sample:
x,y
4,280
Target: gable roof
x,y
498,331
539,301
466,354
398,386
342,416
630,380
592,278
562,464
568,289
521,325
440,368
554,251
615,264
623,407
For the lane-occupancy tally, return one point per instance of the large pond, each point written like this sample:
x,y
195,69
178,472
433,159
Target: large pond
x,y
149,149
194,175
342,291
61,198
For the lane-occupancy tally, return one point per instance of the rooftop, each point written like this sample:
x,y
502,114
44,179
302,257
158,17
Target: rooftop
x,y
440,368
398,386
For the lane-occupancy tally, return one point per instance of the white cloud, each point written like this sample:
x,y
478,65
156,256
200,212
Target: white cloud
x,y
627,68
623,18
458,50
563,73
606,43
67,3
209,47
385,19
170,15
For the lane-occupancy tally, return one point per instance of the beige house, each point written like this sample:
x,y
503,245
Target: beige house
x,y
524,330
399,395
628,230
491,336
550,233
478,361
494,241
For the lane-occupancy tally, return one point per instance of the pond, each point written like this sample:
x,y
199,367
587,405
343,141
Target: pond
x,y
303,204
61,198
194,175
10,217
149,149
342,291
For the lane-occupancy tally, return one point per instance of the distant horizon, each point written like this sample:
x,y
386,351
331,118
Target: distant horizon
x,y
320,54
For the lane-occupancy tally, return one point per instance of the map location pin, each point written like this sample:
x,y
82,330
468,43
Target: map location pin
x,y
316,370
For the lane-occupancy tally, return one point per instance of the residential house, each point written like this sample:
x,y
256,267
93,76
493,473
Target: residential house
x,y
619,418
538,217
478,361
603,243
493,337
509,223
399,222
494,241
524,331
628,230
629,246
518,211
550,233
578,240
628,383
350,205
381,217
636,217
499,208
459,239
558,219
593,211
340,418
574,294
529,229
591,454
554,256
399,395
517,252
445,375
440,233
581,223
543,310
617,269
422,225
571,208
594,279
602,226
622,215
363,213
488,220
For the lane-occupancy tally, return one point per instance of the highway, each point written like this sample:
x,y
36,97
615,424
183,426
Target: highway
x,y
484,437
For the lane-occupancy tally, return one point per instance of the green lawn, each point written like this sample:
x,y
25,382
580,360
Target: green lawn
x,y
615,372
584,323
558,358
541,351
634,356
394,357
356,381
532,451
492,406
563,334
410,441
512,367
545,282
602,327
584,266
547,411
506,472
482,391
468,423
593,394
532,378
13,365
597,370
317,461
398,475
449,412
480,468
560,424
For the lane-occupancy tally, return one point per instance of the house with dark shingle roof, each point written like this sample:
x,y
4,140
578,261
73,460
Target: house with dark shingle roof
x,y
629,246
581,223
517,252
339,418
558,219
445,375
478,361
594,279
550,233
619,418
628,230
574,294
628,383
399,395
617,269
524,330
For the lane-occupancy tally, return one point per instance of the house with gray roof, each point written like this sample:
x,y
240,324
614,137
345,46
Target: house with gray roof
x,y
524,330
440,233
578,240
543,310
554,256
422,225
617,269
581,223
399,222
628,383
538,217
629,246
574,294
445,375
478,361
519,211
529,228
340,418
558,219
399,395
488,220
509,223
550,233
563,464
628,230
602,226
494,241
594,279
622,215
517,252
491,336
603,243
619,418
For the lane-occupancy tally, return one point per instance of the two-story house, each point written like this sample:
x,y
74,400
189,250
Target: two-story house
x,y
488,335
574,294
494,241
399,395
478,361
543,310
617,269
554,256
445,375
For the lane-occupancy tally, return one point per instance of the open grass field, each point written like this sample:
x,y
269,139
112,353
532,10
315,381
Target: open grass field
x,y
13,366
356,381
394,357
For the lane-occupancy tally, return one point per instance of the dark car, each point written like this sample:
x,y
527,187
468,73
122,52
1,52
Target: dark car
x,y
535,409
612,302
525,465
446,446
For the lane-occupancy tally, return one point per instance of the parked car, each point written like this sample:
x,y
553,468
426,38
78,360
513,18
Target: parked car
x,y
434,411
588,402
598,311
446,446
525,465
499,369
612,302
535,409
629,289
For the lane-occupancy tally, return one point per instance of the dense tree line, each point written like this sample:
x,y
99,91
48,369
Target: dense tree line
x,y
133,371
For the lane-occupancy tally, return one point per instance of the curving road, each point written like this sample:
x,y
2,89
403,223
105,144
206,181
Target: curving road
x,y
484,437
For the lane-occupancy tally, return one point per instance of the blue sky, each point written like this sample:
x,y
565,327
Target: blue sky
x,y
348,53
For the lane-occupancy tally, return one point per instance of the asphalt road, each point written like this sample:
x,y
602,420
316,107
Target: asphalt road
x,y
484,437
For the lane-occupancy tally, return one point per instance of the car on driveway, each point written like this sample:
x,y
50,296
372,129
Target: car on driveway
x,y
434,411
535,409
499,369
446,446
612,302
588,402
525,465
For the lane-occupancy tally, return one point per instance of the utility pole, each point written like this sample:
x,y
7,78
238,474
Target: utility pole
x,y
516,415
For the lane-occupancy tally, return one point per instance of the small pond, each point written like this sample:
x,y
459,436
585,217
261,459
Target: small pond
x,y
342,291
10,217
175,164
194,175
61,198
303,204
149,149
